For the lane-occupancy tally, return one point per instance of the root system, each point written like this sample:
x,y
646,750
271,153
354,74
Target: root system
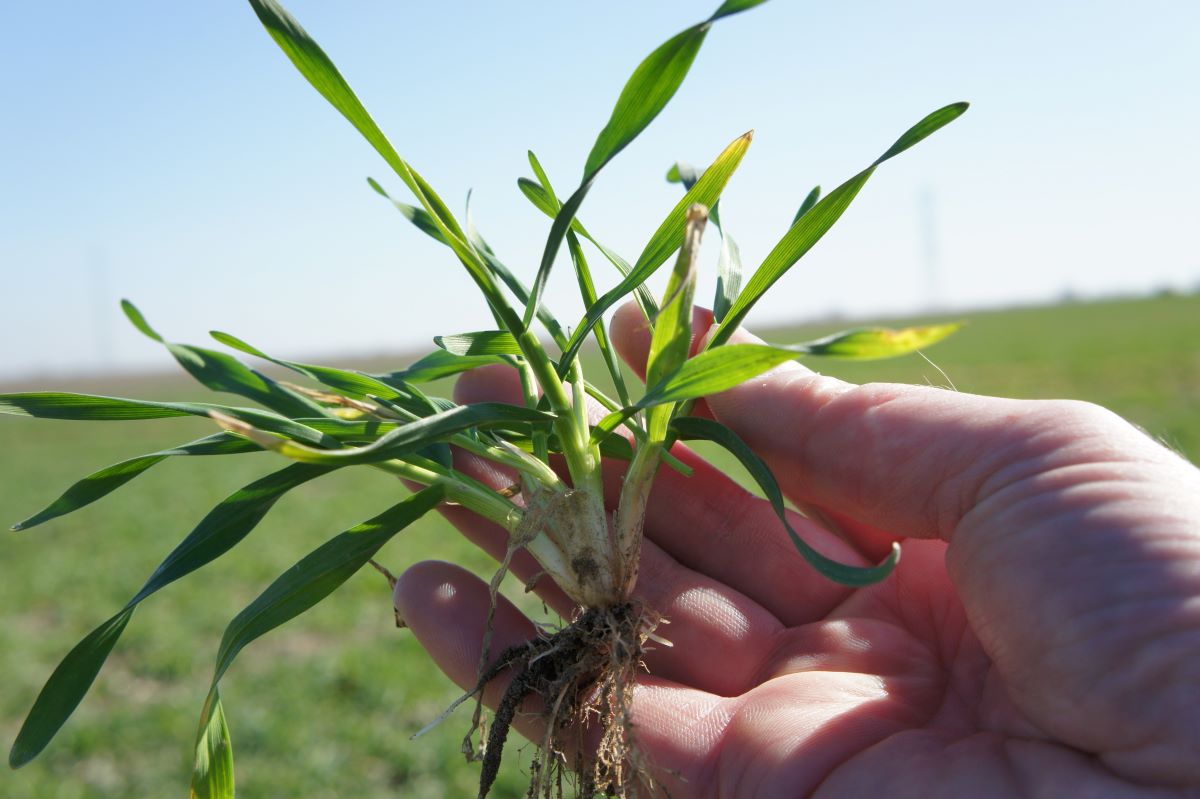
x,y
579,680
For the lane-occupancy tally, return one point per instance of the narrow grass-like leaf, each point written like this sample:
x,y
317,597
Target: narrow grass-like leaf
x,y
218,532
558,230
587,291
93,408
878,342
227,524
212,769
667,238
544,200
439,364
139,321
646,93
403,439
109,479
318,574
354,384
710,372
65,689
418,216
713,371
483,342
809,201
221,372
317,68
672,335
810,227
731,7
729,263
690,427
729,276
539,197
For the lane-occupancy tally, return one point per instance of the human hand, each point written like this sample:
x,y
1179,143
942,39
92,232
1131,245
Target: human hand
x,y
1039,636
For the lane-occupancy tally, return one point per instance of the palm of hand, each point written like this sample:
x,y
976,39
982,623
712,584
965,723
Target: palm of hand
x,y
1038,637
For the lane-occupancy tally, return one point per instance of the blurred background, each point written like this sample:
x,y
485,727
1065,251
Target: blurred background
x,y
177,159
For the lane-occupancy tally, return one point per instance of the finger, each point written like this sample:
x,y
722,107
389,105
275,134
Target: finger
x,y
446,607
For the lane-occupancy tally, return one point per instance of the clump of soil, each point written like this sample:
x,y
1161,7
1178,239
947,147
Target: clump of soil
x,y
577,679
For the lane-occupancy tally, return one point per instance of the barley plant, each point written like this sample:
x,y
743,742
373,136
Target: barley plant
x,y
343,418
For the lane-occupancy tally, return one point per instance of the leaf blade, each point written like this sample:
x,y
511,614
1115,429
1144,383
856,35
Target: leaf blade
x,y
691,427
212,769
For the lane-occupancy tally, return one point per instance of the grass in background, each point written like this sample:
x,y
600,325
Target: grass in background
x,y
325,706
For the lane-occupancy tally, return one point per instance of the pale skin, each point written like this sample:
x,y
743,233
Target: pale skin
x,y
1041,636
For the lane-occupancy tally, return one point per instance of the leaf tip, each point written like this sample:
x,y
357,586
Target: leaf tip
x,y
136,318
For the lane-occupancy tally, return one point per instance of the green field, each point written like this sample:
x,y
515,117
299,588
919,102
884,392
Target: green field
x,y
325,707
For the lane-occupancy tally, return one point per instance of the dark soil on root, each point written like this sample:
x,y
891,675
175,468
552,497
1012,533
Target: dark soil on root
x,y
582,674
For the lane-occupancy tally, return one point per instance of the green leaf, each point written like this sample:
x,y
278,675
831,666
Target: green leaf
x,y
218,532
729,263
715,370
587,291
227,524
319,574
690,427
666,239
544,200
317,68
671,339
212,770
220,372
879,342
731,7
92,408
483,342
350,383
558,230
65,689
926,127
809,201
101,483
418,216
435,366
710,371
729,276
810,227
539,197
646,93
139,321
405,438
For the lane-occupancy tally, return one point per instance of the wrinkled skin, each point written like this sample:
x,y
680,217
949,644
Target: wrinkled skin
x,y
1041,636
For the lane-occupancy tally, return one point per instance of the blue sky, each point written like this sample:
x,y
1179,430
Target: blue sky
x,y
167,152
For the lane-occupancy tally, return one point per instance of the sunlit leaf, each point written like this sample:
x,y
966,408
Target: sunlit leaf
x,y
221,372
810,227
109,479
404,439
218,532
212,769
879,342
667,238
93,408
319,574
482,342
809,201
